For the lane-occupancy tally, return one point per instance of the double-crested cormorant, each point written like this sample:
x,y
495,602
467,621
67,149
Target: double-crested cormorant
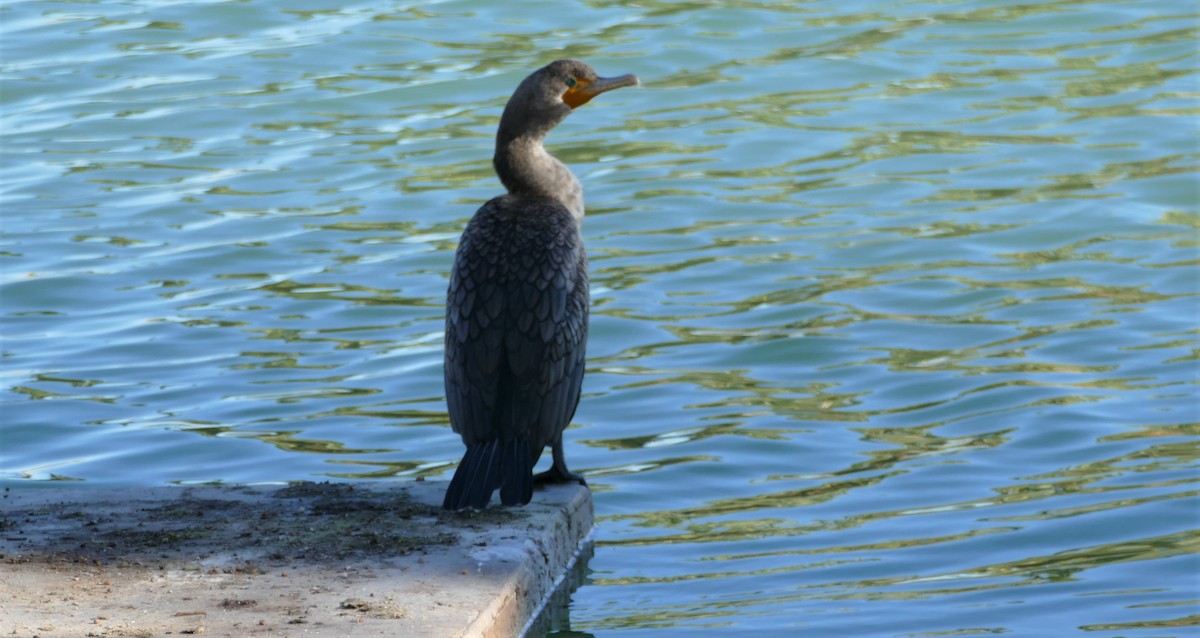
x,y
517,307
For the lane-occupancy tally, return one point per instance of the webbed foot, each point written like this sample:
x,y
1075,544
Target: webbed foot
x,y
559,475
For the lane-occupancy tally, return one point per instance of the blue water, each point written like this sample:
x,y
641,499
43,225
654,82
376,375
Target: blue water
x,y
895,306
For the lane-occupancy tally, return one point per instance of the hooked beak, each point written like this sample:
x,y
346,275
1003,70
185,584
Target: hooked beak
x,y
583,91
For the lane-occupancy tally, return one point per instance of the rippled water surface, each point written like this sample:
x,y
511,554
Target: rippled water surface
x,y
894,322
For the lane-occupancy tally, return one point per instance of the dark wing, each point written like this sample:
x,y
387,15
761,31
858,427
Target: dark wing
x,y
516,324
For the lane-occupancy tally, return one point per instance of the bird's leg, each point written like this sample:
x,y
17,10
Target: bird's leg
x,y
558,473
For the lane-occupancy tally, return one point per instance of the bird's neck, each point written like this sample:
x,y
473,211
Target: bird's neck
x,y
527,170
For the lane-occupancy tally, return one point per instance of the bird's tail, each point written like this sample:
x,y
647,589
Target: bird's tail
x,y
503,464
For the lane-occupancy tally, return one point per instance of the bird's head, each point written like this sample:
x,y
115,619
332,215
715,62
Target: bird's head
x,y
550,94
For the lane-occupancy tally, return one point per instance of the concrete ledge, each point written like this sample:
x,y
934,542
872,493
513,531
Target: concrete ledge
x,y
309,559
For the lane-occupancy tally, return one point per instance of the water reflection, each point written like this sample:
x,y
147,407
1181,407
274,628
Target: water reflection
x,y
890,304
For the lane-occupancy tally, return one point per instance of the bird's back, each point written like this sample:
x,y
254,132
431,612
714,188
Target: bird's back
x,y
516,331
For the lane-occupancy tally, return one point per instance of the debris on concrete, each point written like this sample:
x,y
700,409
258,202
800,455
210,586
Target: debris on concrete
x,y
316,559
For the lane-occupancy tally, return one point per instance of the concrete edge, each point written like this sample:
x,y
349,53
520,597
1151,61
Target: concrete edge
x,y
552,555
255,560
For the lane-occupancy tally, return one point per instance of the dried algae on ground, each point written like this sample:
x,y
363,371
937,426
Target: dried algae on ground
x,y
256,560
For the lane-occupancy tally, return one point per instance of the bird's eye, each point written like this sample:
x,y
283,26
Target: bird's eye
x,y
571,82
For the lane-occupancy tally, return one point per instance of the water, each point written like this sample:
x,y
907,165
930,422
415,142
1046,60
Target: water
x,y
895,304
